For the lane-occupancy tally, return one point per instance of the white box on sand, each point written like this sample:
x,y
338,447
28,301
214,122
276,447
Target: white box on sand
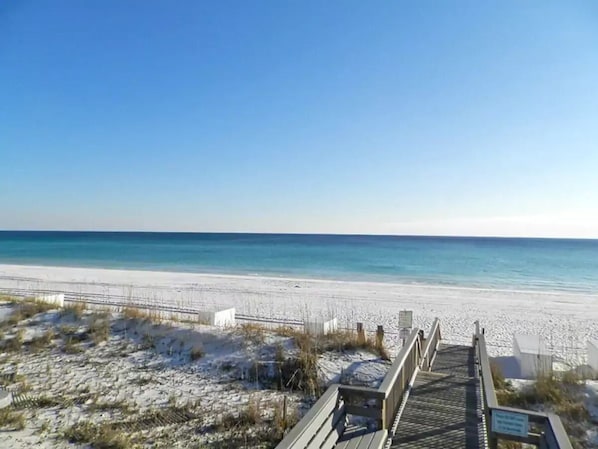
x,y
5,398
593,354
52,299
320,327
222,318
532,354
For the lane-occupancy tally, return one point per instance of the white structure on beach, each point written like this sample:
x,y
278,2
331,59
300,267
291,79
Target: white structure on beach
x,y
593,354
5,398
321,327
221,318
52,299
532,354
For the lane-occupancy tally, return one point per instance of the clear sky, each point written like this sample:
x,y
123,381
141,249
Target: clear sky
x,y
393,117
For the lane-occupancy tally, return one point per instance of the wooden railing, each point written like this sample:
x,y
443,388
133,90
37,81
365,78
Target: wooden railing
x,y
324,422
383,402
430,346
398,377
544,430
321,425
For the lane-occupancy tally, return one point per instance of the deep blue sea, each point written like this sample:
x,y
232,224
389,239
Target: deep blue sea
x,y
513,263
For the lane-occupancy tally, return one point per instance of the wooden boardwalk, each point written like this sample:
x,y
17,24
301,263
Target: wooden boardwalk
x,y
443,408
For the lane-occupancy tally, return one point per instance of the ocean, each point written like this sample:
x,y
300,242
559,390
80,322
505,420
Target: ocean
x,y
504,263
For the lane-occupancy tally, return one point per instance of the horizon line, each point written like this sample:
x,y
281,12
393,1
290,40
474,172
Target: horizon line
x,y
302,234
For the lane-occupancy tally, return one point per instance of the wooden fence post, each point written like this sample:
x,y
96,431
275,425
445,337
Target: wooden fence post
x,y
379,337
360,334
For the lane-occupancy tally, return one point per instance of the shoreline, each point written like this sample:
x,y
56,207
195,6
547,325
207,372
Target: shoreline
x,y
414,284
565,320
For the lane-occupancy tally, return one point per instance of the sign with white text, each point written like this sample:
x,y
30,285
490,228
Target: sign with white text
x,y
510,423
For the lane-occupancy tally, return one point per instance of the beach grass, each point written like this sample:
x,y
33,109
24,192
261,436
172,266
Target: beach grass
x,y
561,393
76,310
98,436
12,420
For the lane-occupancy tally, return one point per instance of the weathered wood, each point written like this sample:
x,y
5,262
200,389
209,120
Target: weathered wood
x,y
395,370
379,337
430,345
370,440
304,430
554,435
360,333
334,425
359,442
379,439
348,391
443,407
366,412
398,377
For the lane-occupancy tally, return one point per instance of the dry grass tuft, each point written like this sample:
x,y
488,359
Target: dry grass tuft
x,y
136,313
287,331
284,418
97,436
76,310
45,426
28,308
249,429
344,340
196,353
16,316
14,344
498,379
99,327
43,342
99,406
11,420
8,298
301,372
72,346
253,332
249,416
46,401
279,354
563,395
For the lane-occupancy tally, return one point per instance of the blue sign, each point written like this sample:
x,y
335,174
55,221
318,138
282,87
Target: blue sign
x,y
510,423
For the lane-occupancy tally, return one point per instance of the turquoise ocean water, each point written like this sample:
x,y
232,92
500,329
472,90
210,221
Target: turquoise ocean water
x,y
530,264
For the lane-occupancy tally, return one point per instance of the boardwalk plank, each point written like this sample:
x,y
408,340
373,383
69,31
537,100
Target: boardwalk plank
x,y
443,407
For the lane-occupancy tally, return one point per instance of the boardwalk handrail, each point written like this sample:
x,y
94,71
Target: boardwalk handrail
x,y
380,403
398,377
302,434
552,432
430,345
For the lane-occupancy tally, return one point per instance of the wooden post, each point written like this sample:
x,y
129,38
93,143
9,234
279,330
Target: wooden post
x,y
384,423
379,337
360,334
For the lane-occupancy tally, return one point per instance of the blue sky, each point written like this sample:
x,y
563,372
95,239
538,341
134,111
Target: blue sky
x,y
460,118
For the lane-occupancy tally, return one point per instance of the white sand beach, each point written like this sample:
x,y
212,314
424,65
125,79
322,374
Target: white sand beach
x,y
565,319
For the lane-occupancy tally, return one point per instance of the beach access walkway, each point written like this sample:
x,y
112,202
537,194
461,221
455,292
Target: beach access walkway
x,y
443,409
435,395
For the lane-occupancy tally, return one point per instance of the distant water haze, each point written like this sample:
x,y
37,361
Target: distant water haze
x,y
503,263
